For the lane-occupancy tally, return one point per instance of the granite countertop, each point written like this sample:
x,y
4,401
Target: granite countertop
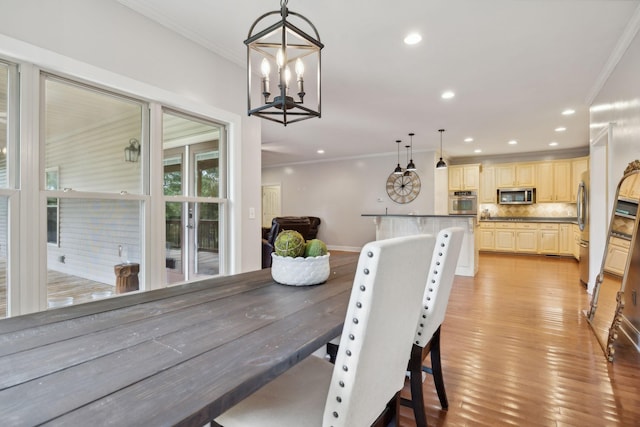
x,y
421,216
568,219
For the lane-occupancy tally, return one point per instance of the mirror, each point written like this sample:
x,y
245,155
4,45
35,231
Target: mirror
x,y
614,307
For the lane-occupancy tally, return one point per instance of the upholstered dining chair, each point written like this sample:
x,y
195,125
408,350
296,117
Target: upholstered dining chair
x,y
427,333
383,309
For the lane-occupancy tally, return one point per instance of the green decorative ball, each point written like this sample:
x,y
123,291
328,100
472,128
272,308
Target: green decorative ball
x,y
315,247
289,243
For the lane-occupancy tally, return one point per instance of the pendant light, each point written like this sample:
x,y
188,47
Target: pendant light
x,y
284,45
398,169
441,164
411,166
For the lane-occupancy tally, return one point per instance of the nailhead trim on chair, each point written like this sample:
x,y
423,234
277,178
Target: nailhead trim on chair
x,y
435,282
352,337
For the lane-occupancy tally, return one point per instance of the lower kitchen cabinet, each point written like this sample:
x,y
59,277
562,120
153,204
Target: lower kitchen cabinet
x,y
487,237
527,237
530,237
505,237
549,239
616,258
576,241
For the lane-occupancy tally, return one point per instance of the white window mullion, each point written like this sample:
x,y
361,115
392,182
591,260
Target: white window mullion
x,y
28,283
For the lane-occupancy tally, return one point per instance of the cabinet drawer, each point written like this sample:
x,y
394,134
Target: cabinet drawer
x,y
505,225
548,226
487,225
527,226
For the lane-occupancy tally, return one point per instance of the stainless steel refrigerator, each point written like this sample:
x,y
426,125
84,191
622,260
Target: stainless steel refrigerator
x,y
582,208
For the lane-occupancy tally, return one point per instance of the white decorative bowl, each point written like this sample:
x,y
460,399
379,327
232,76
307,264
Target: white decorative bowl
x,y
300,271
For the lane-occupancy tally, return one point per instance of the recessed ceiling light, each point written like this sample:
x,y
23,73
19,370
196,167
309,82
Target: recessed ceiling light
x,y
477,150
568,112
468,140
413,38
321,151
513,142
553,144
447,94
560,129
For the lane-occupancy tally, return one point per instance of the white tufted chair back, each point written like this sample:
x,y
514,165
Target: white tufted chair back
x,y
436,295
376,340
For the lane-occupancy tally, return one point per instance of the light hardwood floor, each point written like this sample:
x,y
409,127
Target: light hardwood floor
x,y
518,351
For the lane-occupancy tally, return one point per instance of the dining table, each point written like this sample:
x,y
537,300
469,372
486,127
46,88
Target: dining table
x,y
176,356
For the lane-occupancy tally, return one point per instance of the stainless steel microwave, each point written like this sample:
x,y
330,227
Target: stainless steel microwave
x,y
516,196
463,203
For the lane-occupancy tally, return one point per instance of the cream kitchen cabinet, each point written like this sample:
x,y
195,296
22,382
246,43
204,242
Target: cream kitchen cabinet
x,y
488,193
548,239
527,237
505,234
565,239
487,236
577,236
616,257
515,175
578,166
629,189
553,181
464,177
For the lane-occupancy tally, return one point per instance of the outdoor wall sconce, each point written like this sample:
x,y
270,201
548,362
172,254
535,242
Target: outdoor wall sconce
x,y
283,45
132,151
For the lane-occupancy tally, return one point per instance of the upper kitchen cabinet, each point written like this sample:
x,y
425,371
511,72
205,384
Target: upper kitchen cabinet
x,y
630,188
515,175
554,181
464,177
578,166
487,185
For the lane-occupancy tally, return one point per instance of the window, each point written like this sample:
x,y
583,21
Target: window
x,y
95,197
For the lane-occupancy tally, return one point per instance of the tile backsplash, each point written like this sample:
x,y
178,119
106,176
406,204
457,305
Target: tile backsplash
x,y
535,210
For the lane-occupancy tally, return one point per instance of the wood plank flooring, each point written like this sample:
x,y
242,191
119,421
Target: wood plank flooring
x,y
517,351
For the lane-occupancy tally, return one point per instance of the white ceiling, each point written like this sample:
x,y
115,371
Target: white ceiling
x,y
514,65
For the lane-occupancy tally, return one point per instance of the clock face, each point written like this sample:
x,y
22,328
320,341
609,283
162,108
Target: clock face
x,y
403,188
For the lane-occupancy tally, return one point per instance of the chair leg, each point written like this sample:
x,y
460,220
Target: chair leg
x,y
436,367
417,398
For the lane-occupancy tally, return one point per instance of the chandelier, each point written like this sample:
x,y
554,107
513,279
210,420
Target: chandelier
x,y
283,46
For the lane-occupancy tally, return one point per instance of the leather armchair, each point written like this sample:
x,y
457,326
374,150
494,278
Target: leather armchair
x,y
305,225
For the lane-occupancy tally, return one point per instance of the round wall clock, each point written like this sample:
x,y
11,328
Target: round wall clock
x,y
403,188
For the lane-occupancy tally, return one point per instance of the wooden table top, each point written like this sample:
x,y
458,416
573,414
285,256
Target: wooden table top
x,y
175,356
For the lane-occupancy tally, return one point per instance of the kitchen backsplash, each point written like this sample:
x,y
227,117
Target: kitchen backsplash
x,y
535,210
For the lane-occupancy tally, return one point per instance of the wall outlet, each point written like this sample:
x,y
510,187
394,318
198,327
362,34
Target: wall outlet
x,y
252,213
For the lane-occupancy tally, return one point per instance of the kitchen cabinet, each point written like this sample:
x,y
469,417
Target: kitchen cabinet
x,y
577,236
549,239
578,166
505,234
565,239
629,189
616,257
487,236
527,237
488,193
515,175
554,182
464,177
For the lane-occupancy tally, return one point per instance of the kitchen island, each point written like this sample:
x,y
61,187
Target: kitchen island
x,y
388,226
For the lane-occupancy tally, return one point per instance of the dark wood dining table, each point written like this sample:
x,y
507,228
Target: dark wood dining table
x,y
175,356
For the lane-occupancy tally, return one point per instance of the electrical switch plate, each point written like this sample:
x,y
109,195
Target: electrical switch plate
x,y
252,213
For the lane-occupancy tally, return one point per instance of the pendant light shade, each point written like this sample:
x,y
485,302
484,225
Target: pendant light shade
x,y
411,166
398,169
441,163
285,48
